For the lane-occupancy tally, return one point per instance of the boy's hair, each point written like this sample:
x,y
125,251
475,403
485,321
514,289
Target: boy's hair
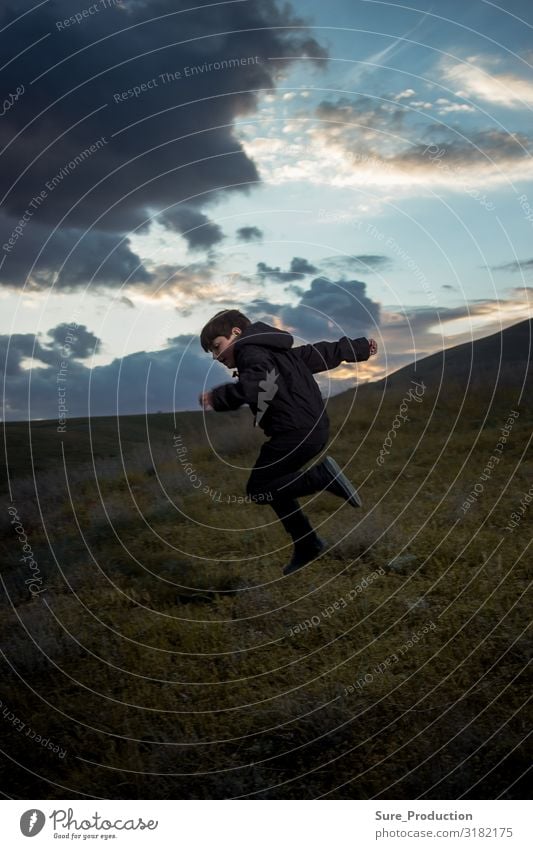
x,y
221,325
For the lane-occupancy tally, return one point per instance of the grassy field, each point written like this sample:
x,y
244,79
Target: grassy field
x,y
166,657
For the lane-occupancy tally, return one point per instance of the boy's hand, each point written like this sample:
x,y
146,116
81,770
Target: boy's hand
x,y
373,347
205,399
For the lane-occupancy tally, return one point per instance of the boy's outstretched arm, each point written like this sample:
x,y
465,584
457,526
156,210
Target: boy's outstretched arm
x,y
322,356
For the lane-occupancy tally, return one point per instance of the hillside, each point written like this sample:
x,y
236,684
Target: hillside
x,y
502,358
167,658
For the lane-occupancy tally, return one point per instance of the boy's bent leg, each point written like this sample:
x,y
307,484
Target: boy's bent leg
x,y
287,455
307,544
333,480
277,472
326,475
294,521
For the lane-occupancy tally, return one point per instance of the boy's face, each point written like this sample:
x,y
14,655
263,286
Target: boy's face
x,y
222,348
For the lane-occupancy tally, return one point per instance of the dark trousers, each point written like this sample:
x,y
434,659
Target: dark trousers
x,y
276,479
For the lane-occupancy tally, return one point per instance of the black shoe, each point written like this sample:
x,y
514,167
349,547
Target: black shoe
x,y
304,554
339,483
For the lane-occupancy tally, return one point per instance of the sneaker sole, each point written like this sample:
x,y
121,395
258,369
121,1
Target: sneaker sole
x,y
352,496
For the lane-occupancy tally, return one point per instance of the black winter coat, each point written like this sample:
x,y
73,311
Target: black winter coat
x,y
277,381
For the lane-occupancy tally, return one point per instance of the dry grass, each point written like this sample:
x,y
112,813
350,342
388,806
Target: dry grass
x,y
166,645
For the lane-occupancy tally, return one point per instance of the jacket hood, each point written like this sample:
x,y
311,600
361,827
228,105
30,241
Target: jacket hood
x,y
259,333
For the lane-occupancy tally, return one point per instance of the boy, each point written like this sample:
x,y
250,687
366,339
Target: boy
x,y
277,381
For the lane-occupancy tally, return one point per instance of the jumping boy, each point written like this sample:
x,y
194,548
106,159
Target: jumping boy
x,y
277,382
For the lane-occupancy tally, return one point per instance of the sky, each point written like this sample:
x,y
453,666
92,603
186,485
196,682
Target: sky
x,y
356,167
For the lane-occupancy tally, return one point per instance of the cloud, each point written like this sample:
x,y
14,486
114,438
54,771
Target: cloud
x,y
274,273
69,259
407,92
127,115
145,381
249,234
446,106
503,88
453,156
362,262
430,328
372,114
13,350
364,141
298,267
77,340
195,227
402,337
326,310
193,283
518,265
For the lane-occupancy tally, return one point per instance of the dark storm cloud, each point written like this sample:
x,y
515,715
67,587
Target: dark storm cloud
x,y
298,267
81,343
69,259
21,346
327,310
295,289
335,308
156,380
195,227
260,307
265,270
75,342
129,113
249,234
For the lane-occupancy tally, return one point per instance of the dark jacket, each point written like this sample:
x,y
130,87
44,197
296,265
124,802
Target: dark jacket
x,y
277,381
